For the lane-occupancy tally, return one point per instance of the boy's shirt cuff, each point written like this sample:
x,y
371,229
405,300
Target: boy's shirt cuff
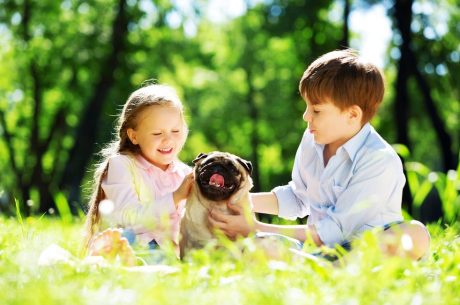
x,y
329,232
287,207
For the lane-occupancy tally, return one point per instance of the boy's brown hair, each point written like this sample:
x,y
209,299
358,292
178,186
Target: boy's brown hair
x,y
345,80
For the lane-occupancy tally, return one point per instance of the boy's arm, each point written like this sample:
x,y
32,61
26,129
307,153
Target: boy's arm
x,y
239,223
265,202
243,225
372,197
299,232
292,198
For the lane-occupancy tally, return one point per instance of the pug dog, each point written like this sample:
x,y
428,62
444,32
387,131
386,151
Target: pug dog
x,y
219,176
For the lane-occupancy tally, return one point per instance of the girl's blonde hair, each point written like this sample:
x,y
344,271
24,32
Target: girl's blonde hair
x,y
137,102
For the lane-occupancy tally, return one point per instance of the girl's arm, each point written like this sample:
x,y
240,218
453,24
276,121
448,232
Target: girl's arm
x,y
134,203
183,190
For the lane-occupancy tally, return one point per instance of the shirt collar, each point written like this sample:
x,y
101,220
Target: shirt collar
x,y
319,148
354,144
351,146
147,166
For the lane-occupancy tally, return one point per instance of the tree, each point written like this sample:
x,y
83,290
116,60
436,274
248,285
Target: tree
x,y
57,54
409,67
83,148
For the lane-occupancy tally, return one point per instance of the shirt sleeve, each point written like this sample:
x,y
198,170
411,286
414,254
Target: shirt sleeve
x,y
292,198
378,181
135,204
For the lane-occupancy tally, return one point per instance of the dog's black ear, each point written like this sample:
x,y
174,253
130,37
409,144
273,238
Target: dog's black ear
x,y
246,164
199,157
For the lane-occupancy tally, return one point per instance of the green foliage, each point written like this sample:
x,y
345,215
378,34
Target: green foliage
x,y
238,80
63,207
438,57
422,180
222,277
18,214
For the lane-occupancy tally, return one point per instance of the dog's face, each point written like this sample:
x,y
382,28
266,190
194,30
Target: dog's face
x,y
219,175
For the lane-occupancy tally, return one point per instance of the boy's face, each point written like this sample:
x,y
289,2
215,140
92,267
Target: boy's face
x,y
330,125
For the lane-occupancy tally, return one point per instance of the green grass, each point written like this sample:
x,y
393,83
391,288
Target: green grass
x,y
222,277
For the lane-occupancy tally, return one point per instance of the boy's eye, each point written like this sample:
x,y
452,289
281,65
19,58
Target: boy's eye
x,y
175,131
156,133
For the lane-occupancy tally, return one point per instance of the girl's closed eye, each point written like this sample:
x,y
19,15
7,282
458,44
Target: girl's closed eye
x,y
156,133
175,131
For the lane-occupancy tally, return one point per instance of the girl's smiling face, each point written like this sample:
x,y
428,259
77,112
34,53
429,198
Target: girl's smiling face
x,y
160,133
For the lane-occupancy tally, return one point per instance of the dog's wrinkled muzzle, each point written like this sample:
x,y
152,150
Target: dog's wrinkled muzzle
x,y
218,180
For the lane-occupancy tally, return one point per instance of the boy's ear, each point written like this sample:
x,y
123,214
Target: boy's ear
x,y
132,135
355,113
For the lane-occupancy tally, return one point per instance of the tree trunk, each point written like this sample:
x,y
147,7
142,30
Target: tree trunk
x,y
408,67
403,16
85,136
444,139
345,29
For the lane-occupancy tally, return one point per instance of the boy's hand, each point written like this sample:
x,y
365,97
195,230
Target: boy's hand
x,y
233,225
183,190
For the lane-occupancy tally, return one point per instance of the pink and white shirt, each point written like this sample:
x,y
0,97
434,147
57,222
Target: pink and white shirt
x,y
142,197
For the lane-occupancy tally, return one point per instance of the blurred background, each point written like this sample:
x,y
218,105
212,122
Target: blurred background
x,y
67,67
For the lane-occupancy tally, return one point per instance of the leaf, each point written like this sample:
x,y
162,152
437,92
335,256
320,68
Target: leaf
x,y
413,182
418,168
18,215
401,150
422,192
63,207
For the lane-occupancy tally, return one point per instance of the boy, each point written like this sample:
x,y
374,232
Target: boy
x,y
345,176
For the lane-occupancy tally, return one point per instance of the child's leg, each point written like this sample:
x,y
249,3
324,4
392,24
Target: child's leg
x,y
275,245
112,245
408,239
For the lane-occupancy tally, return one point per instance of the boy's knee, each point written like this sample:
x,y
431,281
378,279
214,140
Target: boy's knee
x,y
410,239
422,236
419,236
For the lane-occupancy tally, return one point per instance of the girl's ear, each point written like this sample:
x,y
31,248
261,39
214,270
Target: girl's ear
x,y
132,135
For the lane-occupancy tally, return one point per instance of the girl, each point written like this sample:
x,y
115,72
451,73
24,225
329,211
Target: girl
x,y
140,185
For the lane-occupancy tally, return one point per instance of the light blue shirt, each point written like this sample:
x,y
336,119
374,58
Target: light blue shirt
x,y
360,188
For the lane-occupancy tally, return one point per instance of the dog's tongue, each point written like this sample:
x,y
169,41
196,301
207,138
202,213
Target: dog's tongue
x,y
217,180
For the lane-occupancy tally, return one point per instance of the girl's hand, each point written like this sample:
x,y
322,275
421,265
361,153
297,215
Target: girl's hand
x,y
233,225
183,190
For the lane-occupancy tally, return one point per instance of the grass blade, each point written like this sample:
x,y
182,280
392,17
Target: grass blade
x,y
18,215
63,207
